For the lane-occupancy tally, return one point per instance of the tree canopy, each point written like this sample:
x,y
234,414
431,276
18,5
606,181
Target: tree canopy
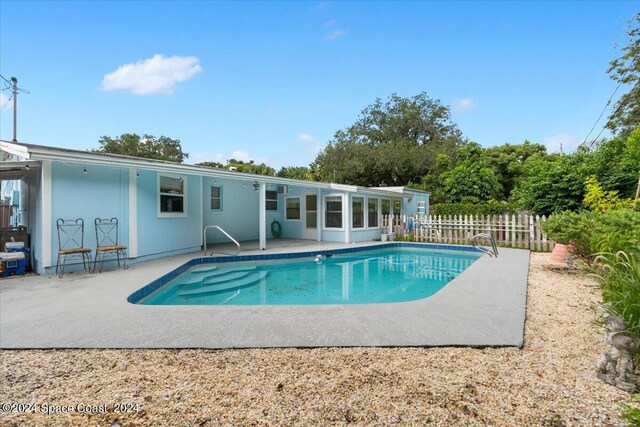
x,y
392,142
242,166
147,146
555,183
626,70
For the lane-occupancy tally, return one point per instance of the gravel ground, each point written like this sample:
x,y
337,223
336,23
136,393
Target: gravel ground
x,y
550,382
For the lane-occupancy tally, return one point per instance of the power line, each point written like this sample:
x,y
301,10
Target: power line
x,y
620,105
5,104
3,78
601,113
10,85
633,60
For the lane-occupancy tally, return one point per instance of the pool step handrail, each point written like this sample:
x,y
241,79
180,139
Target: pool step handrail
x,y
475,242
204,239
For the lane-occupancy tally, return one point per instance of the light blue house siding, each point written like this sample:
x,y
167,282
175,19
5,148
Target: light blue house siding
x,y
72,184
100,192
410,206
239,210
159,236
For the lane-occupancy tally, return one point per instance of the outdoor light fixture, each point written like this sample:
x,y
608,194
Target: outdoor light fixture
x,y
137,173
256,186
85,169
26,167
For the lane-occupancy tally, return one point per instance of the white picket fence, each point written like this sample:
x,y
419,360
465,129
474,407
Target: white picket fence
x,y
515,231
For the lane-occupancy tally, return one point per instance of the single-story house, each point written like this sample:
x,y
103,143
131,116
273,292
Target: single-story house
x,y
163,207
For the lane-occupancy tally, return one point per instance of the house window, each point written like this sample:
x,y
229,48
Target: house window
x,y
216,198
333,212
357,212
372,213
293,208
272,200
172,196
386,207
397,207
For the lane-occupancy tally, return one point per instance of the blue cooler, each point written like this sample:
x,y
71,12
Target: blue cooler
x,y
13,263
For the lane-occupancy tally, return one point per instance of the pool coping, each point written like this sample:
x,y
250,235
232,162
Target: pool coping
x,y
483,306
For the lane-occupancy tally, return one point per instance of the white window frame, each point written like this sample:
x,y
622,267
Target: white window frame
x,y
324,212
364,213
185,200
286,209
211,198
377,226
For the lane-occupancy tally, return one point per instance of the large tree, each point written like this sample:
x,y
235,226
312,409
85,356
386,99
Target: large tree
x,y
470,181
147,146
507,162
295,172
394,142
626,71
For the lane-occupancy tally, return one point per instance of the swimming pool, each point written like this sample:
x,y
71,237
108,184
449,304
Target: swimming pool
x,y
385,274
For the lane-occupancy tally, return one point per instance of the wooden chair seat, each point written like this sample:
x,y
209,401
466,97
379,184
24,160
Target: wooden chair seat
x,y
74,251
71,243
107,241
111,248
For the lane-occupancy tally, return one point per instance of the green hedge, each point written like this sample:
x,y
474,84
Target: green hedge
x,y
489,208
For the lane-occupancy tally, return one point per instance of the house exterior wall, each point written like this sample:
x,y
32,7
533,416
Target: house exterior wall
x,y
106,191
160,236
101,192
239,213
410,207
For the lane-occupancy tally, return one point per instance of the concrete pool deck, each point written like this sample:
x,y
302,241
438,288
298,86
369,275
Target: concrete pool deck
x,y
484,306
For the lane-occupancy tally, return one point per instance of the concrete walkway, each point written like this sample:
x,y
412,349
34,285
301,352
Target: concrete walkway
x,y
484,306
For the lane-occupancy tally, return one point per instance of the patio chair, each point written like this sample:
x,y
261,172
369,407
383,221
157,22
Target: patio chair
x,y
107,241
71,243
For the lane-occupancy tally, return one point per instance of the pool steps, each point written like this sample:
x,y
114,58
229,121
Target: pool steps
x,y
242,279
199,279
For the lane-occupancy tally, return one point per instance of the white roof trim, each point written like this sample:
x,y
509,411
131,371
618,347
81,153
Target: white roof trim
x,y
89,158
15,149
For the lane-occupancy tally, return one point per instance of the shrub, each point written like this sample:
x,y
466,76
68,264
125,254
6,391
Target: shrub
x,y
598,200
591,233
631,414
620,280
488,208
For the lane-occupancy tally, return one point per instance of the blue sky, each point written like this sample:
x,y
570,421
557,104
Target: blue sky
x,y
274,81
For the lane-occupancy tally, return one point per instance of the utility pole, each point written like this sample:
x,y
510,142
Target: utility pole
x,y
15,108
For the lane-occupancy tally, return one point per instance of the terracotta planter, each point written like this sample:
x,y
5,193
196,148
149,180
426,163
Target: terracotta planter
x,y
560,252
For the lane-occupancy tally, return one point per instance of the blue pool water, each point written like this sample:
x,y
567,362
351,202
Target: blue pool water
x,y
376,276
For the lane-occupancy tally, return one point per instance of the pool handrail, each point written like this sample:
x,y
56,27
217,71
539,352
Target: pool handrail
x,y
204,238
494,247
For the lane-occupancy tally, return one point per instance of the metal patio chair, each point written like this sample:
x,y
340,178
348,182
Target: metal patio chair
x,y
71,243
107,241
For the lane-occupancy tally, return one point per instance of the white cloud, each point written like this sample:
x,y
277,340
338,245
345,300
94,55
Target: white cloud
x,y
330,23
567,141
156,75
335,34
5,104
311,144
269,110
464,104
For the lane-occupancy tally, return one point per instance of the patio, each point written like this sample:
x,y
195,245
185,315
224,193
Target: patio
x,y
484,306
